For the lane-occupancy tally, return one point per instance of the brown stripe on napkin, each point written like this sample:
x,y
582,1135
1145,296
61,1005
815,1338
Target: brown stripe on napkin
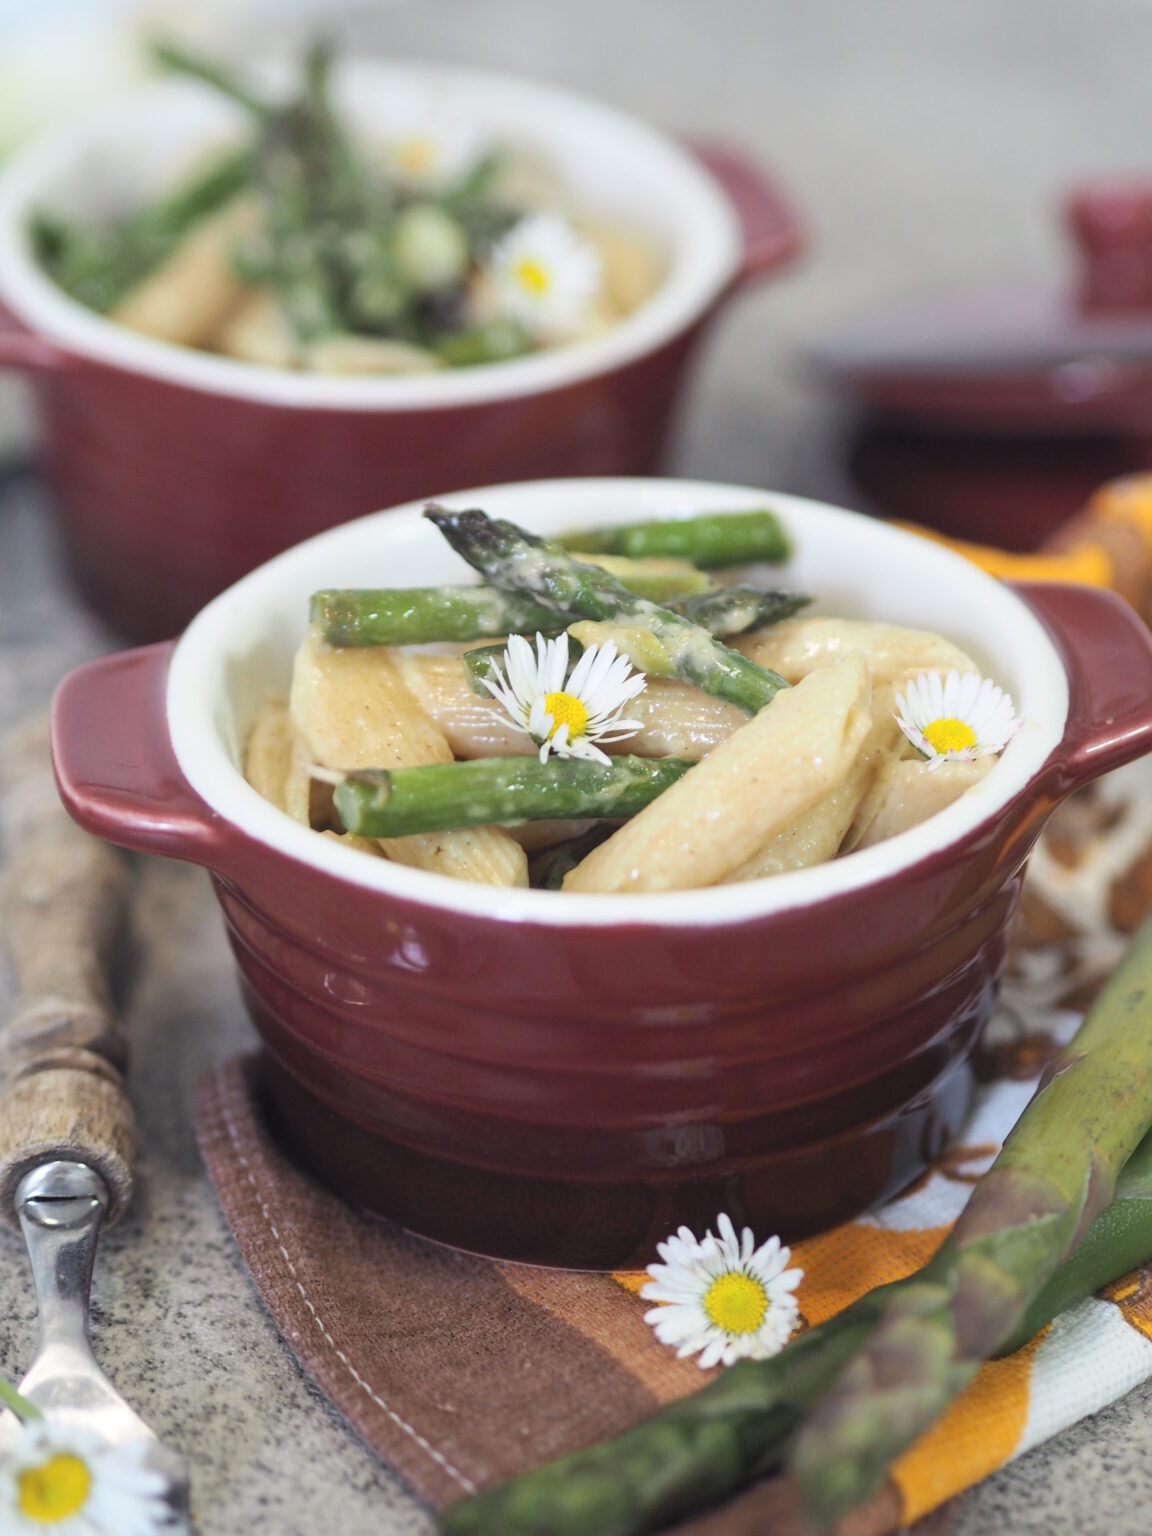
x,y
458,1371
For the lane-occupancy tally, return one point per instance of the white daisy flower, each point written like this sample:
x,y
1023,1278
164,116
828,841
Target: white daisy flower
x,y
544,275
567,718
426,143
724,1298
956,719
66,1482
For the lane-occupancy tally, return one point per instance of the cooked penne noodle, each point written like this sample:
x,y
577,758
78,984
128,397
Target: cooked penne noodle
x,y
676,720
189,296
796,646
268,752
913,791
817,836
746,791
354,711
534,835
631,271
258,332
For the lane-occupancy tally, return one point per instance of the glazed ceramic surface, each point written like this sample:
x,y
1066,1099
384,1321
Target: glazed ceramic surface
x,y
564,1078
176,471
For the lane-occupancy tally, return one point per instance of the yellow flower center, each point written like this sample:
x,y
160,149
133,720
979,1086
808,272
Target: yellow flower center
x,y
736,1303
566,709
416,156
950,735
54,1491
533,275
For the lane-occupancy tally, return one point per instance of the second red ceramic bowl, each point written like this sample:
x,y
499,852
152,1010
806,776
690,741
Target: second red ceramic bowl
x,y
175,472
565,1078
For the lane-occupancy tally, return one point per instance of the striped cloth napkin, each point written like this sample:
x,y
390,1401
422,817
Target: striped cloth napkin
x,y
462,1372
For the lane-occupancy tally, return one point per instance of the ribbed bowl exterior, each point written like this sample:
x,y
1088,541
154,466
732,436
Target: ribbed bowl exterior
x,y
166,495
570,1096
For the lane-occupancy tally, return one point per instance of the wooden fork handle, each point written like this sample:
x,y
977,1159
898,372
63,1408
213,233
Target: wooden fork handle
x,y
63,909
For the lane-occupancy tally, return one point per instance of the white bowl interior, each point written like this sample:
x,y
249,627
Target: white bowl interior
x,y
612,164
240,649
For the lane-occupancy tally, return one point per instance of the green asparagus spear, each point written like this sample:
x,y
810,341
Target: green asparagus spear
x,y
1027,1215
1119,1240
569,854
511,558
495,342
420,615
99,266
710,1444
707,539
728,611
183,61
498,791
706,1446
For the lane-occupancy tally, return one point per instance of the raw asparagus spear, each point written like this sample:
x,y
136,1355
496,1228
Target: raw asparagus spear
x,y
1055,1174
498,791
707,1446
1119,1240
511,558
708,539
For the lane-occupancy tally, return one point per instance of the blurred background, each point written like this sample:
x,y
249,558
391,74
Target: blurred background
x,y
927,146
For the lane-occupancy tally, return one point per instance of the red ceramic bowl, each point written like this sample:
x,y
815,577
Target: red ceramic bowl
x,y
175,472
565,1078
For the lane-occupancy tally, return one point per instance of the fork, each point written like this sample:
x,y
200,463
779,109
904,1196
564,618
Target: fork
x,y
67,1136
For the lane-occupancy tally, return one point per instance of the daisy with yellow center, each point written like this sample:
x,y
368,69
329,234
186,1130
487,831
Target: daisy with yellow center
x,y
543,275
722,1297
65,1482
568,717
426,144
957,718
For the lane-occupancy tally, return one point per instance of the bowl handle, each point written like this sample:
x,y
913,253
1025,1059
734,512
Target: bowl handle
x,y
24,350
1107,651
115,768
771,229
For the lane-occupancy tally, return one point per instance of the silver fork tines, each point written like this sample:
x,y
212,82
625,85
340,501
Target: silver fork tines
x,y
61,1206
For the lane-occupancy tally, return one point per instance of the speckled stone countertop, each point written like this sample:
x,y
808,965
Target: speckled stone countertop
x,y
926,142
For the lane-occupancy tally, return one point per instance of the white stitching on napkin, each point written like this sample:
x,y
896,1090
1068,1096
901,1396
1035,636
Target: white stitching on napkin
x,y
464,1482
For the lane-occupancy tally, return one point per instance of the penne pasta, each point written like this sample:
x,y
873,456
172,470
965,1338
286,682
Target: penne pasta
x,y
796,646
913,791
818,835
258,332
353,710
676,720
189,296
749,789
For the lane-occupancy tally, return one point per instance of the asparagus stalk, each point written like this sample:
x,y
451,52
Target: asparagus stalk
x,y
513,559
708,539
566,858
1119,1240
498,791
183,61
1056,1173
99,266
707,1446
739,610
419,615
